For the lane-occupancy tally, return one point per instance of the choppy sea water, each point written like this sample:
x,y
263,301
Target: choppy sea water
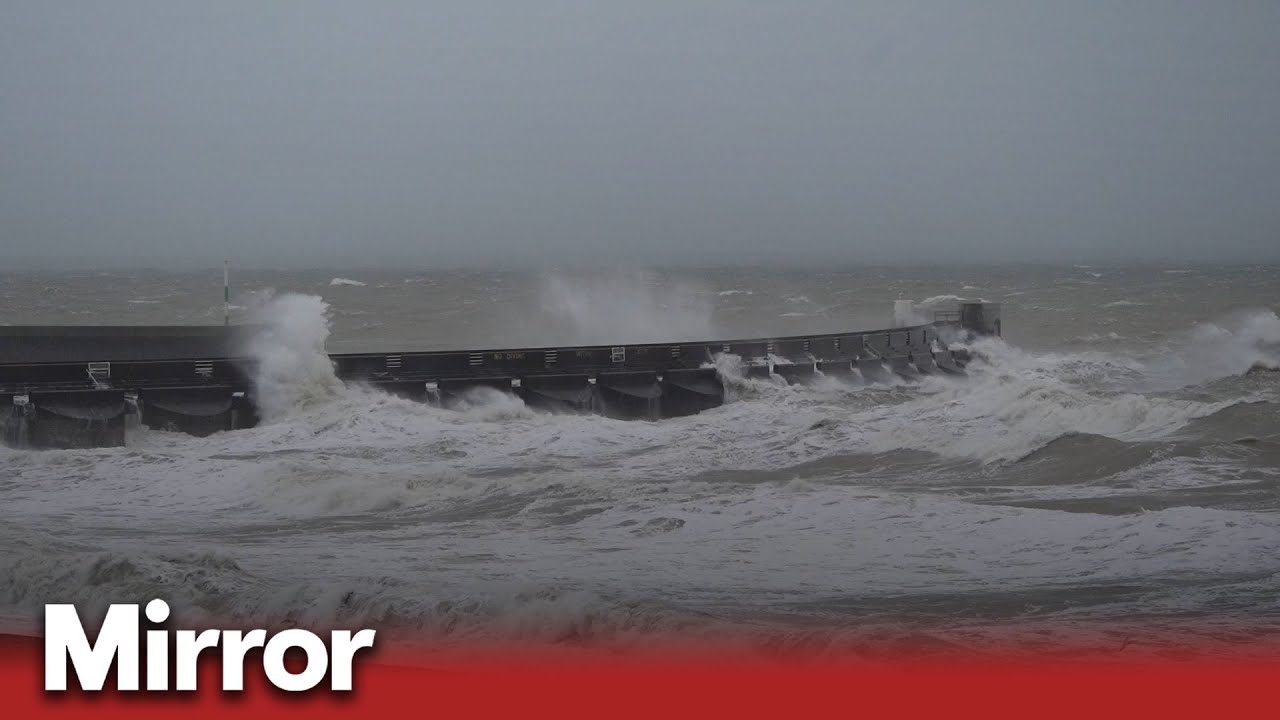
x,y
1108,476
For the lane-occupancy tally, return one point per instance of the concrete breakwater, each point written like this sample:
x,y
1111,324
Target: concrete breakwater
x,y
69,387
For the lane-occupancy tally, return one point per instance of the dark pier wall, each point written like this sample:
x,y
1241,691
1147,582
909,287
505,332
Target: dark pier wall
x,y
196,411
690,391
629,395
74,386
75,419
558,393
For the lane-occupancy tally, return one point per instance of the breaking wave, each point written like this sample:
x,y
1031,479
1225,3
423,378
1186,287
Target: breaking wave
x,y
495,522
212,588
293,369
1012,403
1225,347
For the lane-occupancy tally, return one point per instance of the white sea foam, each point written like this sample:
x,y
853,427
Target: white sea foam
x,y
1011,404
873,545
1221,348
350,505
344,281
1098,337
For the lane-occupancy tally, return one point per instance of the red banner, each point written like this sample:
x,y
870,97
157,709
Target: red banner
x,y
703,686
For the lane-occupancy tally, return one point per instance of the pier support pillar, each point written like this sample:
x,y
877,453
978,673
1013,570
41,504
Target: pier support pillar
x,y
873,370
196,411
797,373
13,422
244,412
629,395
557,393
76,419
841,370
688,392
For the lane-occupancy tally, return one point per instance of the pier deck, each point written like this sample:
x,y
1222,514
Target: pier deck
x,y
70,386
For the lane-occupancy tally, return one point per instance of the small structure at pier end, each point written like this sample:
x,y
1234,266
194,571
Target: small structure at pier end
x,y
74,387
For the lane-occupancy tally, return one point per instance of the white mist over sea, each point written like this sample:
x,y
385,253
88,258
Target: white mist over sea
x,y
1103,462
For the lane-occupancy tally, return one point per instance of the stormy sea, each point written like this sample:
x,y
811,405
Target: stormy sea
x,y
1106,478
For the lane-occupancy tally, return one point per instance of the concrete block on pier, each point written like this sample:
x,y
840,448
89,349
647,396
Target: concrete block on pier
x,y
76,419
629,395
198,411
798,373
980,318
690,391
557,393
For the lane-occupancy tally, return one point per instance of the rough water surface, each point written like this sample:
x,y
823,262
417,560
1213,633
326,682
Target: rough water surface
x,y
1109,473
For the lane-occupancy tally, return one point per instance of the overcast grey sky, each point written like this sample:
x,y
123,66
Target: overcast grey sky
x,y
638,131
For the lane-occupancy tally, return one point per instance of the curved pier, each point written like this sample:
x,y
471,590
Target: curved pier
x,y
63,387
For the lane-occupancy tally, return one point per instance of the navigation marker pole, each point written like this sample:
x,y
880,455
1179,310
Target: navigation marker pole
x,y
226,292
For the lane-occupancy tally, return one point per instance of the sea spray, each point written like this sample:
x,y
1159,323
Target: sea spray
x,y
293,369
625,308
1014,402
1228,346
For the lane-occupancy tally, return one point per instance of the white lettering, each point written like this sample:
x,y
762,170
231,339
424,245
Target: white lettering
x,y
344,648
317,660
118,641
157,647
233,649
188,652
117,638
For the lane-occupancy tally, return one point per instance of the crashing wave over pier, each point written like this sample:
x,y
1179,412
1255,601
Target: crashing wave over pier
x,y
76,386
